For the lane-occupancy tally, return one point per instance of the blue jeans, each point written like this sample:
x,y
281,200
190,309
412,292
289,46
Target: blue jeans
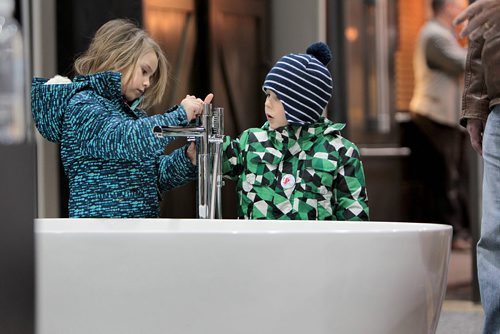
x,y
488,248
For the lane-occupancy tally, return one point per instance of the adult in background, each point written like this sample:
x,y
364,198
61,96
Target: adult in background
x,y
439,63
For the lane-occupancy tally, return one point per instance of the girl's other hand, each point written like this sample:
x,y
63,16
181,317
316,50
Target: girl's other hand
x,y
191,153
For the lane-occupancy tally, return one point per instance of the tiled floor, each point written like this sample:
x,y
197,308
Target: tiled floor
x,y
460,315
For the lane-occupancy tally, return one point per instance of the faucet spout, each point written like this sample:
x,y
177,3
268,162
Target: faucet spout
x,y
178,131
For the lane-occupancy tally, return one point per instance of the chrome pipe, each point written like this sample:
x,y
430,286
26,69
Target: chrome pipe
x,y
220,183
215,175
203,209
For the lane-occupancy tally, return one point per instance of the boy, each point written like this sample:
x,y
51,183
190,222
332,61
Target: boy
x,y
297,166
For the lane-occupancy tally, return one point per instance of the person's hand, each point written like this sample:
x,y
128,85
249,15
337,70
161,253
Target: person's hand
x,y
475,127
193,106
208,98
191,153
483,19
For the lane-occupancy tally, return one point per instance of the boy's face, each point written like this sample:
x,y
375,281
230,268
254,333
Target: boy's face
x,y
140,76
275,112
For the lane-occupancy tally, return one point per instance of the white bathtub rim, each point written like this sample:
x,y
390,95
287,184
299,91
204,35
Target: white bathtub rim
x,y
229,226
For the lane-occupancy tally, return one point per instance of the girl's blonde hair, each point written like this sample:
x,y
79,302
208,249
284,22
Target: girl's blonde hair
x,y
117,46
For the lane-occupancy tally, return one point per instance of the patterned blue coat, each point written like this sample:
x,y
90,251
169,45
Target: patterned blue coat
x,y
115,164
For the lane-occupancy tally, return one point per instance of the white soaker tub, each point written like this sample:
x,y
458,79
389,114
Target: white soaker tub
x,y
174,276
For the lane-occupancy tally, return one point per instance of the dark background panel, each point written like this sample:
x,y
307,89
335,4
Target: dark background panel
x,y
17,211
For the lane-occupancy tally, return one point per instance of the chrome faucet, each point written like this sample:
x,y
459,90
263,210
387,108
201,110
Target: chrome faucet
x,y
209,152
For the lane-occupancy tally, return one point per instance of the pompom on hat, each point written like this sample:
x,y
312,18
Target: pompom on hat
x,y
303,83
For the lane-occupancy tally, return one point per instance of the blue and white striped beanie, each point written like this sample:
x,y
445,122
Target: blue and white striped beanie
x,y
303,83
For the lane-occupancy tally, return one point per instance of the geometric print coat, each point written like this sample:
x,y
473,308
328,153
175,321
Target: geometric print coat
x,y
115,164
297,173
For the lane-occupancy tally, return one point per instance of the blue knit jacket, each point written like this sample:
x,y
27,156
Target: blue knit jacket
x,y
115,164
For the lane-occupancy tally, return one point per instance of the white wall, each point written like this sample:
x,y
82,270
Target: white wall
x,y
295,24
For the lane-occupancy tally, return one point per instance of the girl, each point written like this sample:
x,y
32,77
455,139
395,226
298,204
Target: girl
x,y
115,165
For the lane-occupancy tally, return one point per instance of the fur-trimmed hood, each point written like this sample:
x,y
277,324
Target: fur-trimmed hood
x,y
50,98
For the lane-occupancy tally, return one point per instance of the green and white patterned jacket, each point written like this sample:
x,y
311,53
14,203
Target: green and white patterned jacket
x,y
297,173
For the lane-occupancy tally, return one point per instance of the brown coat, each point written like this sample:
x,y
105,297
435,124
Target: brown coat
x,y
482,79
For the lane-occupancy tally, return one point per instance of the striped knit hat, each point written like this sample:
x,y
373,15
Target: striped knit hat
x,y
303,83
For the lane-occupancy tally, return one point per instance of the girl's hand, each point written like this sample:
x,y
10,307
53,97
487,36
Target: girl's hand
x,y
191,153
193,106
208,98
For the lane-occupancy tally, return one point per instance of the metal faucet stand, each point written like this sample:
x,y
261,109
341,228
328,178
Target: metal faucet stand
x,y
210,131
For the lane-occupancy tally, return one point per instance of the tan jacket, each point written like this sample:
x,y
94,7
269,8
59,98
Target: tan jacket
x,y
482,79
439,64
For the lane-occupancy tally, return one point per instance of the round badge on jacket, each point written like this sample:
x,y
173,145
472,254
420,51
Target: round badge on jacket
x,y
287,181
